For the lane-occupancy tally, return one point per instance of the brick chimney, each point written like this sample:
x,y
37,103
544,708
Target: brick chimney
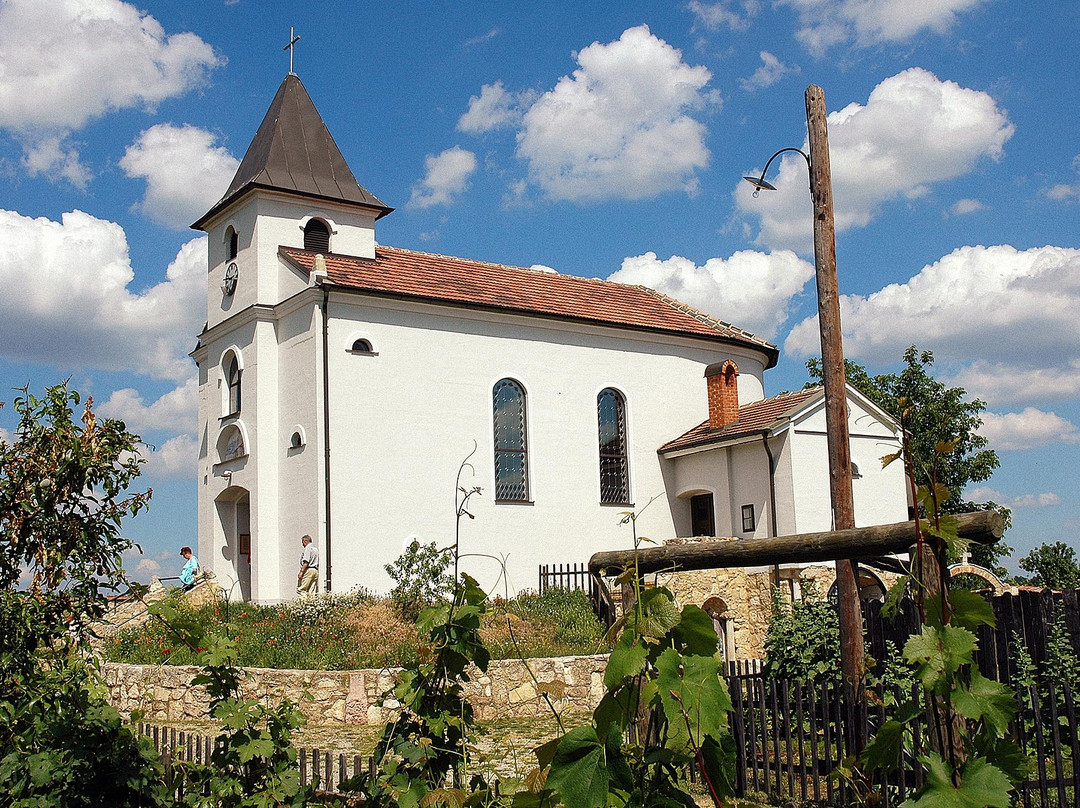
x,y
722,379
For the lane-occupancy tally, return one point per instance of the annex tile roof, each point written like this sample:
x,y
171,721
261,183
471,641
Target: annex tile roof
x,y
753,419
293,151
405,273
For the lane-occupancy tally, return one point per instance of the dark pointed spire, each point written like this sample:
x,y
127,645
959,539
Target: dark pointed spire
x,y
294,152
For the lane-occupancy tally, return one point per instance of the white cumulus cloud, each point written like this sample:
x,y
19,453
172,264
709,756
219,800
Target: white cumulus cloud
x,y
825,23
1029,429
446,175
620,125
71,298
751,289
956,128
495,108
734,16
1065,191
176,410
175,459
1011,384
1013,309
962,207
67,63
770,72
55,158
986,494
185,172
147,566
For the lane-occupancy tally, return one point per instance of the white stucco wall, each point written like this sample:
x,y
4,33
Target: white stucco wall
x,y
879,495
735,475
264,221
403,421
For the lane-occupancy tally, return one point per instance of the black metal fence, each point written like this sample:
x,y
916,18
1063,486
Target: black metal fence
x,y
576,576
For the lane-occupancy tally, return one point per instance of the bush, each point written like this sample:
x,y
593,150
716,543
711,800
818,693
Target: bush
x,y
421,578
803,638
63,497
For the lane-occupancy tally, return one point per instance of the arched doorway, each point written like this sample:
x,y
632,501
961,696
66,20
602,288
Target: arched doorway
x,y
717,609
965,567
234,542
870,587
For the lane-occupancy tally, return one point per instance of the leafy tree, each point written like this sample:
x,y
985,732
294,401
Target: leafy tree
x,y
1054,565
63,495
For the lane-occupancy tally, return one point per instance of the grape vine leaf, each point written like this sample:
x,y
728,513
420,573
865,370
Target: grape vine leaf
x,y
986,699
579,770
982,785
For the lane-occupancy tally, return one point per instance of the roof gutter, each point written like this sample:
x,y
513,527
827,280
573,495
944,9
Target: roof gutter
x,y
326,428
772,497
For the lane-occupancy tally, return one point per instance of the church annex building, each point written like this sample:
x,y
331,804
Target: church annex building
x,y
342,382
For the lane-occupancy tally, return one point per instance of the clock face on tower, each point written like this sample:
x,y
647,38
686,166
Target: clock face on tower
x,y
228,284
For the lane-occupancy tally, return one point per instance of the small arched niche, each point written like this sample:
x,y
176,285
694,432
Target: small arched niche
x,y
231,444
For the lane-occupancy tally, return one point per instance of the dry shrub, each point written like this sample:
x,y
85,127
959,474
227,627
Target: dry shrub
x,y
381,636
534,637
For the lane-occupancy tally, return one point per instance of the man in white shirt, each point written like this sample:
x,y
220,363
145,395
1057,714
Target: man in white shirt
x,y
307,580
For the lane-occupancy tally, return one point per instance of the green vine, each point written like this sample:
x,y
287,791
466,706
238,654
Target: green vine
x,y
970,761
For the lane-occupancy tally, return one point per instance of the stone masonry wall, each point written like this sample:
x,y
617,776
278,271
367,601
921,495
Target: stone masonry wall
x,y
163,692
748,594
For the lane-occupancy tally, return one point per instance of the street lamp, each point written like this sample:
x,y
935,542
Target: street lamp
x,y
759,182
836,412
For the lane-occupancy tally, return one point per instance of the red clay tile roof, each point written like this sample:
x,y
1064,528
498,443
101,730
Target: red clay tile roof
x,y
753,418
405,273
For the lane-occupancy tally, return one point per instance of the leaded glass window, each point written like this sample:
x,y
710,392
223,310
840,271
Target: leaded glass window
x,y
511,445
234,385
614,472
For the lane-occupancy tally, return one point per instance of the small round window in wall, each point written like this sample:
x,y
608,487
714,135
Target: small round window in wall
x,y
361,346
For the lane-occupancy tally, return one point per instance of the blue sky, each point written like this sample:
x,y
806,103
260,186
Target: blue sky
x,y
599,141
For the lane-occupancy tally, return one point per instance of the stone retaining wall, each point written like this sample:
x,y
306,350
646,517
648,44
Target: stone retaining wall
x,y
164,693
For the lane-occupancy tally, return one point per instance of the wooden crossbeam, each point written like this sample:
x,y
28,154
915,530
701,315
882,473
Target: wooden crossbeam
x,y
980,527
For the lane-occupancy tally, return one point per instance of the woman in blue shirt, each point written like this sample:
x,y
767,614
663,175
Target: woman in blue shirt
x,y
191,568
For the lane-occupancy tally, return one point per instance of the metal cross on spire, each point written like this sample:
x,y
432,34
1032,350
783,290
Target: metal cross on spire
x,y
292,42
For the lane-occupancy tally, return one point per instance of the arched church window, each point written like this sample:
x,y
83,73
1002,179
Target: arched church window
x,y
614,469
232,243
511,445
233,375
361,346
317,236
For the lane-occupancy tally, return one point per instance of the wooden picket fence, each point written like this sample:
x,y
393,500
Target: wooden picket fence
x,y
328,769
790,738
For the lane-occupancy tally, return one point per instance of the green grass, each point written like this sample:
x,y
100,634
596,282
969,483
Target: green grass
x,y
357,630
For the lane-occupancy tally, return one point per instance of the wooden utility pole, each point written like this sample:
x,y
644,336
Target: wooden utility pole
x,y
852,657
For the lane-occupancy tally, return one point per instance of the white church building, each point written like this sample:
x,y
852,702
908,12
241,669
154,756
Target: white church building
x,y
342,382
